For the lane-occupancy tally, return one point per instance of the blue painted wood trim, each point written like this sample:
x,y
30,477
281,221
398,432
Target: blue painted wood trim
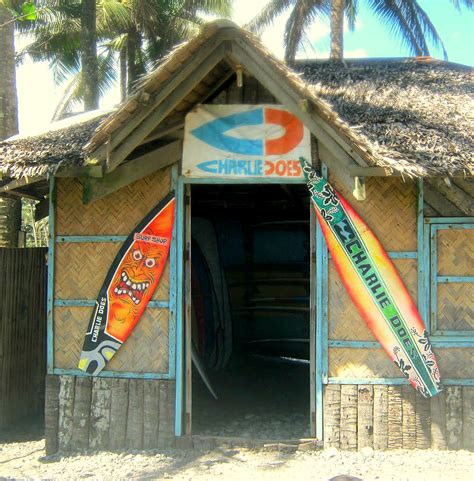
x,y
241,180
50,299
321,308
113,374
454,334
89,238
396,381
423,268
441,342
173,284
92,302
450,220
433,275
179,308
448,279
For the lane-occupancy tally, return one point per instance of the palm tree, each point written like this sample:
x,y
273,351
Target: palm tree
x,y
405,18
90,66
131,36
10,209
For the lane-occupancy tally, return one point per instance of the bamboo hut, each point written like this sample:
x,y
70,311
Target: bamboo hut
x,y
394,137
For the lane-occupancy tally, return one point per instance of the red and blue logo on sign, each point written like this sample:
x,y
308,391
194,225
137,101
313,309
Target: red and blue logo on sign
x,y
269,156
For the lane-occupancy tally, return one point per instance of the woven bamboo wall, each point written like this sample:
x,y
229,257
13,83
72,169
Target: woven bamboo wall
x,y
108,414
390,211
344,321
394,417
455,301
80,269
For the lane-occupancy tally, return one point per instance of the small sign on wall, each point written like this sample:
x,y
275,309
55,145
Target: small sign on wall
x,y
230,141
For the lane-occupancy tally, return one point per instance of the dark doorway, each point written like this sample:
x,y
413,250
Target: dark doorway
x,y
250,285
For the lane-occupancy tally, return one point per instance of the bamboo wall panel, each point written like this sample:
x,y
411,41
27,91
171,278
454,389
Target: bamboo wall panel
x,y
455,362
395,417
81,268
344,321
104,413
115,214
146,349
389,210
455,252
456,306
22,333
361,363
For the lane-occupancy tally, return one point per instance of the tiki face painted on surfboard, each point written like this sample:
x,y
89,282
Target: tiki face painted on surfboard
x,y
374,285
128,287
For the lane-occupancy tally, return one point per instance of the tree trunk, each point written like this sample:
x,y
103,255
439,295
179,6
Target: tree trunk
x,y
90,67
337,30
10,209
131,59
123,73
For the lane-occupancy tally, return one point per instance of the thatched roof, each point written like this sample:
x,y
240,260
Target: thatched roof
x,y
43,153
411,116
416,112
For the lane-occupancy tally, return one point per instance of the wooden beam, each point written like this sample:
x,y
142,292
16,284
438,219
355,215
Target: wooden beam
x,y
17,183
274,82
169,87
133,170
146,127
439,203
455,195
80,171
339,160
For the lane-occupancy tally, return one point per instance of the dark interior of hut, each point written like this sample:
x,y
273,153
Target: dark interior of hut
x,y
250,310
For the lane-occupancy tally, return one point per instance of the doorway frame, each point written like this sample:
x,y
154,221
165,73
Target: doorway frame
x,y
318,303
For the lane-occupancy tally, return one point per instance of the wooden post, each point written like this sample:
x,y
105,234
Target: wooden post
x,y
365,417
348,416
380,417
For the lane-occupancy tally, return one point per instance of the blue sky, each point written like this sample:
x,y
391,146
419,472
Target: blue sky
x,y
38,95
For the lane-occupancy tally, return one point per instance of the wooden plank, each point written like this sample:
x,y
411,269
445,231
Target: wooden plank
x,y
166,420
151,402
332,416
134,437
408,417
51,414
118,413
439,203
66,412
348,434
438,421
380,417
168,88
82,408
365,416
395,436
454,417
188,314
100,413
330,439
149,124
423,422
97,188
468,417
454,194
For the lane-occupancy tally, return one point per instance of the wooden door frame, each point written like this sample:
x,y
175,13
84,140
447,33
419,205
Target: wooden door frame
x,y
183,406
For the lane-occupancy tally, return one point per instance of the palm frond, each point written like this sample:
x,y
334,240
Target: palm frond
x,y
268,14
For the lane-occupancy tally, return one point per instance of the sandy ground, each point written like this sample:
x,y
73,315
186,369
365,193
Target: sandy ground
x,y
26,460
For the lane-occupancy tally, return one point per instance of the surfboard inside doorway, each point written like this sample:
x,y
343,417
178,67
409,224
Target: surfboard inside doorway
x,y
250,311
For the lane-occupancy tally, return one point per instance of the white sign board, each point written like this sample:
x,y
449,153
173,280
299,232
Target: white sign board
x,y
229,141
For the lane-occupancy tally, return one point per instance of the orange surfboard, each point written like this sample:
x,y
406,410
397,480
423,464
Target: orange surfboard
x,y
128,287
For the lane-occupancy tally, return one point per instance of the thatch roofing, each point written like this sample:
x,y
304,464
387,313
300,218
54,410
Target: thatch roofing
x,y
43,153
416,113
410,116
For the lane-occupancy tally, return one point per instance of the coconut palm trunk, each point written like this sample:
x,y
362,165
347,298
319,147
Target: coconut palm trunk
x,y
10,209
90,68
337,30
